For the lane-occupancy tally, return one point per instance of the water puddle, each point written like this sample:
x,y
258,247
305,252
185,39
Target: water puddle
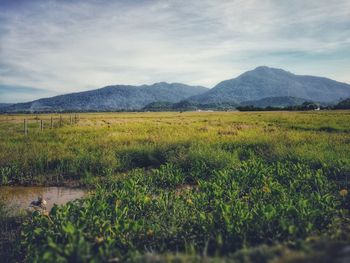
x,y
19,197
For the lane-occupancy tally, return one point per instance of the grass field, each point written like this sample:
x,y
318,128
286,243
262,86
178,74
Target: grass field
x,y
180,187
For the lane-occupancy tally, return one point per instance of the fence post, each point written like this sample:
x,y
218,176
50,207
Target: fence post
x,y
60,120
41,125
51,123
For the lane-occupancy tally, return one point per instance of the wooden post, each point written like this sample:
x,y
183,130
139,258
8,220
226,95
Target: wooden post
x,y
25,126
51,123
70,119
60,120
41,125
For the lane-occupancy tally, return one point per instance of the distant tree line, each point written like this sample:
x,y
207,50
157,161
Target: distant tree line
x,y
187,106
308,105
344,104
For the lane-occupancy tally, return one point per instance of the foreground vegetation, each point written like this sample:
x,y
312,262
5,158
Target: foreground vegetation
x,y
195,187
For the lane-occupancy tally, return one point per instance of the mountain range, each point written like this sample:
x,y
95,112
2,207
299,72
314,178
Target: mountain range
x,y
111,98
261,87
2,105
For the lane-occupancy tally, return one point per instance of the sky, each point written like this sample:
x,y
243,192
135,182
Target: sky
x,y
50,47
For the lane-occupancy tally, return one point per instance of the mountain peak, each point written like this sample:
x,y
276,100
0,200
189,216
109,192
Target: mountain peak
x,y
160,83
266,69
262,68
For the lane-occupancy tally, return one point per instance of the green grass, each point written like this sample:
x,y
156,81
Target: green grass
x,y
178,187
112,143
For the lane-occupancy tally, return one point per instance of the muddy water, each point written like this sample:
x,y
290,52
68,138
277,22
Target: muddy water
x,y
19,197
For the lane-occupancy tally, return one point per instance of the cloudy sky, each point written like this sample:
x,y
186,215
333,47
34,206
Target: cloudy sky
x,y
54,47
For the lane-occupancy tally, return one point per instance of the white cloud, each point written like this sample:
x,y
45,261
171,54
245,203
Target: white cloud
x,y
70,46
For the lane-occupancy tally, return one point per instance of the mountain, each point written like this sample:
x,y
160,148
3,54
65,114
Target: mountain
x,y
264,82
274,102
2,105
111,98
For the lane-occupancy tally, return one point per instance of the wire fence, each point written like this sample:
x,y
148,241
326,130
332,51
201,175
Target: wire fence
x,y
46,122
